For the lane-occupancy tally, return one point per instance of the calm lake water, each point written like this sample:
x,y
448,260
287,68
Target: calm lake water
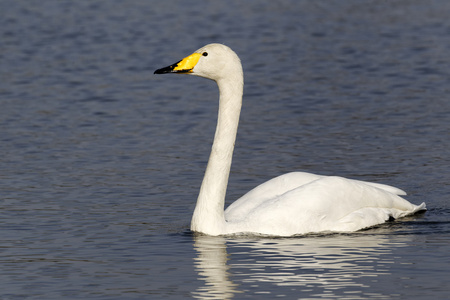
x,y
101,161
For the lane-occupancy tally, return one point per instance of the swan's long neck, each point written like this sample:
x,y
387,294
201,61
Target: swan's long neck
x,y
208,215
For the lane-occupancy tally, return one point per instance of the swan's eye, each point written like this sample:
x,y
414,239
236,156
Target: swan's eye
x,y
205,53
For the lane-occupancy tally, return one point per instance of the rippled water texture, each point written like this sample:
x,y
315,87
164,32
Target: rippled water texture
x,y
101,161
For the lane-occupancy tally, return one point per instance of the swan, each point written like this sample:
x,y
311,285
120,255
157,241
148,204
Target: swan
x,y
291,204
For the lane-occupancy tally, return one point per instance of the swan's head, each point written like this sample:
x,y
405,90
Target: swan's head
x,y
213,61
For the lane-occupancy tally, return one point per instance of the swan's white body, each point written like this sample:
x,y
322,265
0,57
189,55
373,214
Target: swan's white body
x,y
291,204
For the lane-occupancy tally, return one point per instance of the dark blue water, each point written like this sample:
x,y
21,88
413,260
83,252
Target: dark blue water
x,y
101,161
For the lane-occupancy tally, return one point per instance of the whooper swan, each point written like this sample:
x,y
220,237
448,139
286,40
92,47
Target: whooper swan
x,y
290,204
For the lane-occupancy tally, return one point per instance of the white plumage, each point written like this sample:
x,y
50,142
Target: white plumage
x,y
290,204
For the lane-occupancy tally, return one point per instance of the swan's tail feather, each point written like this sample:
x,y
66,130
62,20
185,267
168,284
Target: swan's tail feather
x,y
419,208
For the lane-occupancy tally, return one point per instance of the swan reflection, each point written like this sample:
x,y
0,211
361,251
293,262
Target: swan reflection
x,y
320,266
211,265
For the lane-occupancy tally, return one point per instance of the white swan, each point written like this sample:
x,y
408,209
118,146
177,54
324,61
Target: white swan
x,y
291,204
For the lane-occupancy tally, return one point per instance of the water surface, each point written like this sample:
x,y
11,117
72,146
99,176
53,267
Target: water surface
x,y
101,160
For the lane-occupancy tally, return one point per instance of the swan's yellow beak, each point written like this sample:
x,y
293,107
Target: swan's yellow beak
x,y
186,65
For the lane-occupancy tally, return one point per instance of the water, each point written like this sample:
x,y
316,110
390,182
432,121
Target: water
x,y
101,160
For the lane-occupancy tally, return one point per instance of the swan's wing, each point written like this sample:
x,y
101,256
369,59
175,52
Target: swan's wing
x,y
326,204
278,186
387,188
268,190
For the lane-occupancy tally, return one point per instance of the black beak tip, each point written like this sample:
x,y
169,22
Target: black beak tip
x,y
162,71
168,69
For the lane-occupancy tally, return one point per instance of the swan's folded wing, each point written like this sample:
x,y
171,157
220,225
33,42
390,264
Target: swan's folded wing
x,y
268,190
387,188
327,204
